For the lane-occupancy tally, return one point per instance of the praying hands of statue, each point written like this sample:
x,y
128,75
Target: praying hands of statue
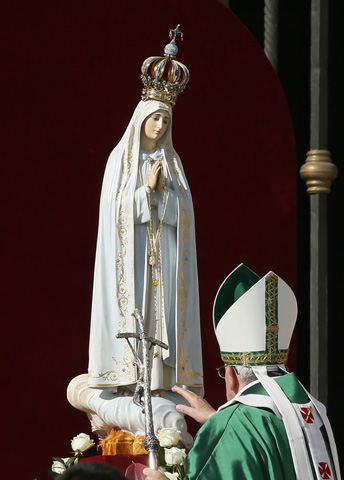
x,y
156,179
199,409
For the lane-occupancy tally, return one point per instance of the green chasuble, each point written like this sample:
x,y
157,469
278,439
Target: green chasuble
x,y
243,442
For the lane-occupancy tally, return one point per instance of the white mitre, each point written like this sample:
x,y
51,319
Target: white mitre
x,y
254,318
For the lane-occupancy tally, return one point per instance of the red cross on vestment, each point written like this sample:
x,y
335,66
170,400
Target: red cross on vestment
x,y
324,470
307,414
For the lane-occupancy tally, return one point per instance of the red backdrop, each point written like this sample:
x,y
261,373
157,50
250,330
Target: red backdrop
x,y
71,82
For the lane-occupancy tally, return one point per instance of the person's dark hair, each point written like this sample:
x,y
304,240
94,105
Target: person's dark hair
x,y
92,471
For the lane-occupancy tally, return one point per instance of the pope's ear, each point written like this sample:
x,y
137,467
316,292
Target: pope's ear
x,y
232,377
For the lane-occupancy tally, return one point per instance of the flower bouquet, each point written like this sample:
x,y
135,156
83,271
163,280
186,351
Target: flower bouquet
x,y
80,444
171,458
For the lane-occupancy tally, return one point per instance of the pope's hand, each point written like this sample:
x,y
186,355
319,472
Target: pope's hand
x,y
153,474
199,408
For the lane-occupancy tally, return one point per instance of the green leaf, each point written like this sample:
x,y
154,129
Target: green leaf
x,y
58,459
70,462
161,455
53,474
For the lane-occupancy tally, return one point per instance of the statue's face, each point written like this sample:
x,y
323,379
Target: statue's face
x,y
155,125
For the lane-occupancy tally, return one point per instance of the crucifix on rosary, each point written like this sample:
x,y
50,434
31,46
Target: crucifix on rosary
x,y
142,395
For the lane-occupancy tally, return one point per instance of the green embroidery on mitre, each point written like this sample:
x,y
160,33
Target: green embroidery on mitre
x,y
271,319
234,286
254,359
248,327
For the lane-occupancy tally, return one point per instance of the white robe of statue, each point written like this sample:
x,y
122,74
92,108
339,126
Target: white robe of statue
x,y
167,294
157,302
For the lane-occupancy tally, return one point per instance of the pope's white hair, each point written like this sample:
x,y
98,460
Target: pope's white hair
x,y
247,374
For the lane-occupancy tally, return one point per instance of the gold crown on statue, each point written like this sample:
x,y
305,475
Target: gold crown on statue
x,y
163,77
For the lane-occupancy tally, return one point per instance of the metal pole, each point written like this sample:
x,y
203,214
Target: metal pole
x,y
318,172
271,31
143,386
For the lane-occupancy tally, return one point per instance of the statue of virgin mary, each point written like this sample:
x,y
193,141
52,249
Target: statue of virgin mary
x,y
146,252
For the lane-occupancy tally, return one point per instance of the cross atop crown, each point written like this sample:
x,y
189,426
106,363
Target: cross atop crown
x,y
171,48
174,32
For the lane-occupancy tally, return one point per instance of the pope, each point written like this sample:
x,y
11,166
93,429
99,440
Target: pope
x,y
270,426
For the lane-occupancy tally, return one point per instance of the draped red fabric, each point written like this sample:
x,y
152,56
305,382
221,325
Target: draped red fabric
x,y
71,80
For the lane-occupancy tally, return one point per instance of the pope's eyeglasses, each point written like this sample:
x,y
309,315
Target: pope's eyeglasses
x,y
221,371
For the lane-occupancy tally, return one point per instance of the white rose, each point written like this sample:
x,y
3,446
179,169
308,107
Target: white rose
x,y
82,442
59,467
172,476
168,437
174,456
